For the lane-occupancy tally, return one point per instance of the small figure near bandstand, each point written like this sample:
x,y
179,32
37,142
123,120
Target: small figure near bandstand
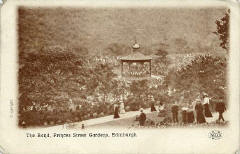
x,y
152,104
122,110
142,117
153,107
116,111
175,112
161,110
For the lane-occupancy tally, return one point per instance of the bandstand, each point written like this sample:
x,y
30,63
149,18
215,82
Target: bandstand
x,y
136,65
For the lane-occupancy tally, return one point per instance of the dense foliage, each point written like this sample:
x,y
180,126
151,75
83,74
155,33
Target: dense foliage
x,y
48,80
223,30
204,74
54,75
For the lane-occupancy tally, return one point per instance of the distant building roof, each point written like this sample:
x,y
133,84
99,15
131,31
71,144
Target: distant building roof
x,y
136,56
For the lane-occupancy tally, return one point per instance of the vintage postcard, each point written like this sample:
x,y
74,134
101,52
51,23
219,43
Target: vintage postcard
x,y
119,77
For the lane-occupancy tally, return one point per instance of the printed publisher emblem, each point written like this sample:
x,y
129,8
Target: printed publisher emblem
x,y
215,134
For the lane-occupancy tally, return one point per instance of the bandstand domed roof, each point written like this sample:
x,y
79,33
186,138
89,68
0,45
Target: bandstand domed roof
x,y
135,55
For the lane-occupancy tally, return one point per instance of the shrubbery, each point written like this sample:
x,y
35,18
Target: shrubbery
x,y
205,73
56,74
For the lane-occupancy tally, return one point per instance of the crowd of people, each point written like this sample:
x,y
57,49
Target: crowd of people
x,y
197,112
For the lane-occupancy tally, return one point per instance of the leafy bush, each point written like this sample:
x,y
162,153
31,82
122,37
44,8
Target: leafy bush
x,y
205,73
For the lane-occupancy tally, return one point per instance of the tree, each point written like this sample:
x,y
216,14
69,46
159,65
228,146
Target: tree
x,y
103,76
160,63
204,74
50,76
223,30
139,88
119,89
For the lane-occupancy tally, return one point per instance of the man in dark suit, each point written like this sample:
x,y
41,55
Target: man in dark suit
x,y
175,112
220,108
142,118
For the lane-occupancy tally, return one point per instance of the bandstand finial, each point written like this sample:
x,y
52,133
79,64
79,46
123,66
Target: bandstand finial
x,y
136,45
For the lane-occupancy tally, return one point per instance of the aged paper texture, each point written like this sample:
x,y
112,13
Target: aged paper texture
x,y
119,77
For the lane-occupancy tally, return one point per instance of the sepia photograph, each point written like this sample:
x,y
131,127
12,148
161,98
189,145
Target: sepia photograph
x,y
123,67
115,77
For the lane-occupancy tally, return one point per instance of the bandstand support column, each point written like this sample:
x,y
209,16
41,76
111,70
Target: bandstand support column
x,y
122,68
129,68
150,68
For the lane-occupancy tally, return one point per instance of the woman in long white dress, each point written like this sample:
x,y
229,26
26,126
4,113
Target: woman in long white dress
x,y
207,112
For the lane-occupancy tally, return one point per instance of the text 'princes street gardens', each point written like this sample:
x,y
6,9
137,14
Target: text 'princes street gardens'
x,y
81,135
